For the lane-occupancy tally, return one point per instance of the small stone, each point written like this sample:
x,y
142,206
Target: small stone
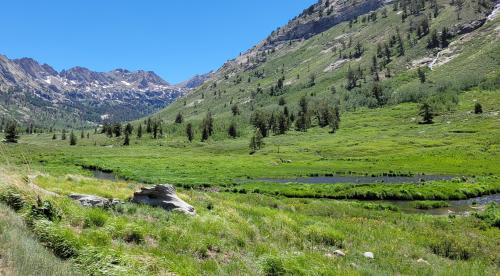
x,y
339,253
369,255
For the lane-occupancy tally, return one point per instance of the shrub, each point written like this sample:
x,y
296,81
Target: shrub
x,y
44,210
273,266
134,236
323,234
95,217
12,199
491,215
451,248
57,240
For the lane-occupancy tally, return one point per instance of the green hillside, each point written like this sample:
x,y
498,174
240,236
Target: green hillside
x,y
328,56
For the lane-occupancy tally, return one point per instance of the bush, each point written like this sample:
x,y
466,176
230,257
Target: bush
x,y
57,240
273,266
134,236
12,199
451,248
95,217
44,210
323,234
491,215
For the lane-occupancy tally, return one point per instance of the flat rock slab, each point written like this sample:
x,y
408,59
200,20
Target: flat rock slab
x,y
94,201
163,196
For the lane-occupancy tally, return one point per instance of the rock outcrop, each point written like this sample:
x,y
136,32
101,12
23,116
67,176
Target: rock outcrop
x,y
163,196
468,27
94,201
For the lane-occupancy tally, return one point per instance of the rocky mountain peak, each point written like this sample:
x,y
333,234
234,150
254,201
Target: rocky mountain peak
x,y
35,69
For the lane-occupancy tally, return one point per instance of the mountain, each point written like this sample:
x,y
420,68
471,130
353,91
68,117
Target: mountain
x,y
354,54
34,92
195,81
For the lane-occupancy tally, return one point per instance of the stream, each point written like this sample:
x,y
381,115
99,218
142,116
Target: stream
x,y
458,207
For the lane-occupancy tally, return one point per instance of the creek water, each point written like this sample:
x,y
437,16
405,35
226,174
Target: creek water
x,y
457,207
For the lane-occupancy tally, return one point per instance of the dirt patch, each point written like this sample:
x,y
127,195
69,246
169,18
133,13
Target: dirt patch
x,y
334,66
4,269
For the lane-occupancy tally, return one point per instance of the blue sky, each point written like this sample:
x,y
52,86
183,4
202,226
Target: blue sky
x,y
174,38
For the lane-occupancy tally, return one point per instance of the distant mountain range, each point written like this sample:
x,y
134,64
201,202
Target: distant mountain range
x,y
34,92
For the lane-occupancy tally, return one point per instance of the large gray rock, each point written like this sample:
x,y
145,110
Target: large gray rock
x,y
94,201
163,196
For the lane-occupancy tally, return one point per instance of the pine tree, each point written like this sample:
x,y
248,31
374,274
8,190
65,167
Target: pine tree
x,y
232,130
426,113
421,75
235,110
303,121
335,119
204,134
156,125
109,131
148,126
126,142
478,108
256,142
72,139
82,135
63,135
54,137
377,94
117,129
129,128
189,132
351,79
139,131
283,123
207,127
445,35
179,119
11,134
433,41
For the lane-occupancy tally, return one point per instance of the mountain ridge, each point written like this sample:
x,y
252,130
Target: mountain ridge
x,y
88,96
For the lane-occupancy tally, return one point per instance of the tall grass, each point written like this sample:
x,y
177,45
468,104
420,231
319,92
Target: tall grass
x,y
23,253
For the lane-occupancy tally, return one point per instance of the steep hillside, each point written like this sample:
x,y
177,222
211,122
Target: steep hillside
x,y
36,93
406,51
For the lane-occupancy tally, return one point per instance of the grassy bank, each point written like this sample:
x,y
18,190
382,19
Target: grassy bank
x,y
254,234
436,190
21,252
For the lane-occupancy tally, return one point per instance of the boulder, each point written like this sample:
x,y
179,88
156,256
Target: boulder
x,y
94,201
368,255
163,196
